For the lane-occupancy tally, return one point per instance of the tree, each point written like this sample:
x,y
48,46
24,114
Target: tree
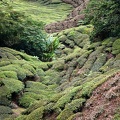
x,y
22,33
105,16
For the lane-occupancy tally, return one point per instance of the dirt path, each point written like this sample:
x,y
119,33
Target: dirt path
x,y
18,111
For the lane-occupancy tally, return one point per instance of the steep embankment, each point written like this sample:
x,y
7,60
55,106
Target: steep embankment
x,y
72,19
104,101
82,83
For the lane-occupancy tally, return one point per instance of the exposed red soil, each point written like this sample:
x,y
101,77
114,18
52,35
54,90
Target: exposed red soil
x,y
74,3
51,116
104,101
72,19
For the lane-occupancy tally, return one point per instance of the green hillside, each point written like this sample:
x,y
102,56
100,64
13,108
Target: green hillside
x,y
41,12
65,84
69,75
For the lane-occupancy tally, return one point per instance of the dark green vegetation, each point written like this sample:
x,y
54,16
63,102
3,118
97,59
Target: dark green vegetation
x,y
58,89
22,33
105,16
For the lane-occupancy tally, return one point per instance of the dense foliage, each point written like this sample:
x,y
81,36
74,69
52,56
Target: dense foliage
x,y
22,33
105,16
38,44
10,25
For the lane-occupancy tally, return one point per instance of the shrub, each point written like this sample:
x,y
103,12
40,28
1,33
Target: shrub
x,y
36,114
67,97
22,33
5,110
35,106
8,74
71,108
37,43
104,15
13,85
11,24
26,101
116,47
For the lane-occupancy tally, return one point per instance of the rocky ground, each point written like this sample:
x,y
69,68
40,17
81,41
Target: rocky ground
x,y
81,83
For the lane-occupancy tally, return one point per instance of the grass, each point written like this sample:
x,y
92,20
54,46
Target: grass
x,y
40,12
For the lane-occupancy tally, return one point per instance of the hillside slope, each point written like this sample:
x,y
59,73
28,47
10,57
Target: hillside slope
x,y
41,11
72,18
57,15
83,82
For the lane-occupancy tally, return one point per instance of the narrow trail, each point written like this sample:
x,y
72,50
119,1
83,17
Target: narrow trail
x,y
18,111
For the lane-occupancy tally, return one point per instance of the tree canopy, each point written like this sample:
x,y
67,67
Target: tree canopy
x,y
105,16
22,33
